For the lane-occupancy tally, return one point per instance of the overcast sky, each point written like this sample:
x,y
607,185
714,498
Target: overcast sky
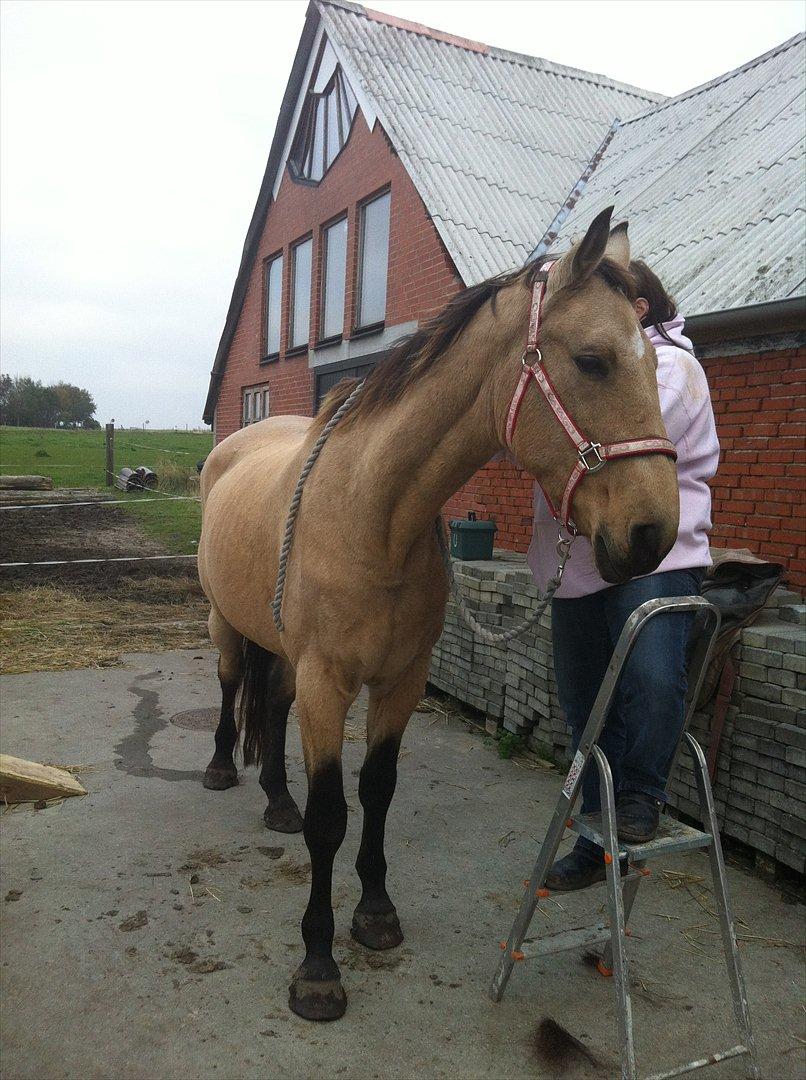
x,y
134,137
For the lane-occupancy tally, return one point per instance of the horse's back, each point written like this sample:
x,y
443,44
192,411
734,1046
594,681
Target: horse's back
x,y
273,441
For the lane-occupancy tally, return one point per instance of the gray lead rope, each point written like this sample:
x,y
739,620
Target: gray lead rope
x,y
504,636
563,549
293,510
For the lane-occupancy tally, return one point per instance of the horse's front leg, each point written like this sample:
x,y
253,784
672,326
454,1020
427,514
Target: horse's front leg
x,y
375,921
316,992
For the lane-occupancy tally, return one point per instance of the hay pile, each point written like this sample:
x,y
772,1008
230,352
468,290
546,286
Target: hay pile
x,y
55,628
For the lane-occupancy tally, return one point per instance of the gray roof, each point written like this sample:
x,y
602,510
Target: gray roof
x,y
711,183
493,141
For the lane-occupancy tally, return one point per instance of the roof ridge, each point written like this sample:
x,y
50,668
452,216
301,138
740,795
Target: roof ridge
x,y
550,66
747,66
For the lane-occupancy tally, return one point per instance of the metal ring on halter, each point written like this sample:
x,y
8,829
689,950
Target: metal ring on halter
x,y
533,352
564,543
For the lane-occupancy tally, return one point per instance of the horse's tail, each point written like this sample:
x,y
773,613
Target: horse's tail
x,y
264,674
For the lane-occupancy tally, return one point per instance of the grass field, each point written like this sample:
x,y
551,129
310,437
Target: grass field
x,y
77,459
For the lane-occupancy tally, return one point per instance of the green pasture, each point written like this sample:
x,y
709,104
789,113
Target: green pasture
x,y
77,459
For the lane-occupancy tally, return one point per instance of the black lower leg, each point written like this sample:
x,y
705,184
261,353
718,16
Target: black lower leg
x,y
375,922
281,813
316,992
221,772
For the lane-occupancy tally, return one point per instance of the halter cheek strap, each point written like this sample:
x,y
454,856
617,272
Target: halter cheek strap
x,y
591,456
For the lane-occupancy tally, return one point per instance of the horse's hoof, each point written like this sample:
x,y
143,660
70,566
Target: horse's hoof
x,y
216,779
282,815
314,1000
380,930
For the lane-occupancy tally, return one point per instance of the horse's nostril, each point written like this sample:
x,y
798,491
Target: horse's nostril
x,y
645,543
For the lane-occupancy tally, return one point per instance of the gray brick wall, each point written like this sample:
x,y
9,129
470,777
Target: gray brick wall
x,y
760,778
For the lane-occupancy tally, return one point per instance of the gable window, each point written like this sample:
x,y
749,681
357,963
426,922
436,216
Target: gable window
x,y
325,124
373,261
334,272
255,404
300,317
273,292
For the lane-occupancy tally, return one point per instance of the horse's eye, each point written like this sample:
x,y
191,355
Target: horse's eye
x,y
591,365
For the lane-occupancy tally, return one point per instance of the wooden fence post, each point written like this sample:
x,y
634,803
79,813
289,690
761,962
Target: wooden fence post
x,y
110,455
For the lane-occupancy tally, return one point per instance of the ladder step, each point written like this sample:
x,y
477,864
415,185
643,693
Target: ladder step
x,y
672,836
701,1063
565,939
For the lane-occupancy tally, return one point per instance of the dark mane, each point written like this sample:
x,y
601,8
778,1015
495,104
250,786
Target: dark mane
x,y
415,354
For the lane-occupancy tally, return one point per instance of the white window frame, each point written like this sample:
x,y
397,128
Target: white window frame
x,y
255,404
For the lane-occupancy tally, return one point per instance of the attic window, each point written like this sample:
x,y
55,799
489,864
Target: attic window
x,y
324,129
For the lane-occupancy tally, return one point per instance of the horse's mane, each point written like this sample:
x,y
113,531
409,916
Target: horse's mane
x,y
416,353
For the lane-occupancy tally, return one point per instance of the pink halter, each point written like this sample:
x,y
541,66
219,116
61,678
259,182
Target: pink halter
x,y
591,456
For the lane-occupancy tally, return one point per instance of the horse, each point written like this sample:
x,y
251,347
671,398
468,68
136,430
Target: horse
x,y
366,587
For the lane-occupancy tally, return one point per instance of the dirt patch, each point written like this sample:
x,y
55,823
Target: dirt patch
x,y
295,873
357,957
205,858
61,617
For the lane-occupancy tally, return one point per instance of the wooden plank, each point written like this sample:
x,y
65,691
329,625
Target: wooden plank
x,y
26,483
28,781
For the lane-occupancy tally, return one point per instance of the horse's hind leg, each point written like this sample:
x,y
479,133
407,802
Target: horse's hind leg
x,y
282,813
221,773
316,992
375,922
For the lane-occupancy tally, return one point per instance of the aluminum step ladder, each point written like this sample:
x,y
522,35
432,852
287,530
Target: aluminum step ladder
x,y
625,864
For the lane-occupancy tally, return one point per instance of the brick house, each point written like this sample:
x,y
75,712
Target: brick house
x,y
408,163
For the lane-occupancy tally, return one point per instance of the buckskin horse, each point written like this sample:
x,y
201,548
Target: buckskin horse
x,y
366,588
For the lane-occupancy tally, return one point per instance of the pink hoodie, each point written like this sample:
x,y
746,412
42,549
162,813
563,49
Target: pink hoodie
x,y
686,406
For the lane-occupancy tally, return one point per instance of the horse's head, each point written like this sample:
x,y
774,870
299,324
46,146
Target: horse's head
x,y
603,369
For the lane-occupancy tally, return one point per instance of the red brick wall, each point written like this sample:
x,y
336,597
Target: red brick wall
x,y
760,409
421,277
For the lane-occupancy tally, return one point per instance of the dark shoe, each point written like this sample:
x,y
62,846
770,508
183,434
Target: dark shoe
x,y
637,817
578,869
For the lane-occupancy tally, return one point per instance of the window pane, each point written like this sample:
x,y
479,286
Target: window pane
x,y
256,414
274,292
265,404
301,300
374,261
335,271
316,170
246,408
333,140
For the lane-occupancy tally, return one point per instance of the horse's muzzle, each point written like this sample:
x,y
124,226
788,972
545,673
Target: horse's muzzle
x,y
648,546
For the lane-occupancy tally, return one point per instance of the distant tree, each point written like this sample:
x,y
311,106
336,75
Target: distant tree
x,y
6,384
76,406
25,402
30,404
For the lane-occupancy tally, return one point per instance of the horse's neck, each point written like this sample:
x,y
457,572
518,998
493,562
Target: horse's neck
x,y
418,451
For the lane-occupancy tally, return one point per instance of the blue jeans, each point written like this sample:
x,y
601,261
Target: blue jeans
x,y
645,721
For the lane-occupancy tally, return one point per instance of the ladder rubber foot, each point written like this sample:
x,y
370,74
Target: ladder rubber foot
x,y
542,893
605,971
608,858
517,955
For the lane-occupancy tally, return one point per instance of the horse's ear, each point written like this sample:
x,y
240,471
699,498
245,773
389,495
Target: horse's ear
x,y
591,249
618,246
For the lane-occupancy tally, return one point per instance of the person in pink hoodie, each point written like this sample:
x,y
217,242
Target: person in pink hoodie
x,y
646,719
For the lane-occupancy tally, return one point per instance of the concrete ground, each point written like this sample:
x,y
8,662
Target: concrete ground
x,y
157,923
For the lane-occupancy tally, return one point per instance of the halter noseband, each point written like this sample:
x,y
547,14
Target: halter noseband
x,y
591,456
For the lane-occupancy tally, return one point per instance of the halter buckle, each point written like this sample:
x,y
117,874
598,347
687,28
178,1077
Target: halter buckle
x,y
598,461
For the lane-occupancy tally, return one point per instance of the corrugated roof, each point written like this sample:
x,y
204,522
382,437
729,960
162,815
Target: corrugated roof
x,y
493,140
711,183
